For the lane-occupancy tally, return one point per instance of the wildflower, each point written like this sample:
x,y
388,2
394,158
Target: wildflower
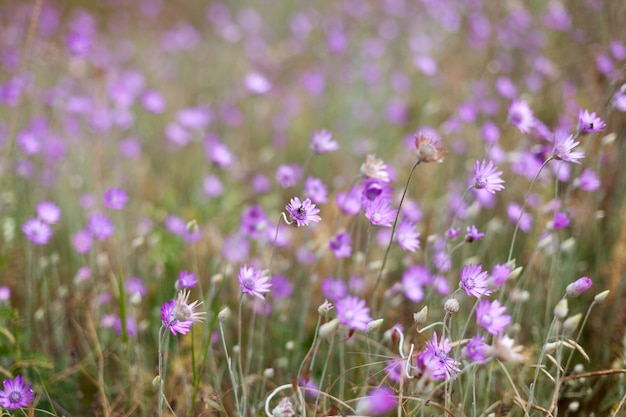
x,y
428,148
452,232
321,142
379,401
521,116
257,83
578,287
281,287
487,177
474,350
302,213
37,231
563,146
48,212
217,152
16,394
473,234
115,198
288,175
380,213
504,349
407,237
153,102
374,168
315,189
284,409
334,289
491,317
352,312
100,226
252,282
514,211
474,281
560,221
340,245
588,180
350,202
589,122
374,189
499,274
254,222
435,361
186,280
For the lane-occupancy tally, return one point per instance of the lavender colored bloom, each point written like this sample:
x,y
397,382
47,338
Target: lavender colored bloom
x,y
490,316
350,202
563,148
474,281
5,293
257,83
560,221
374,189
16,394
395,369
514,211
288,175
261,184
135,287
428,148
473,234
82,241
490,133
442,261
153,102
474,350
521,116
315,189
281,287
340,245
435,360
379,401
131,326
115,198
100,226
413,281
217,152
588,180
212,186
322,142
453,232
352,312
48,212
253,282
177,134
334,289
179,315
380,213
407,237
589,122
302,213
578,287
235,248
375,168
37,231
487,177
254,222
195,118
499,274
186,280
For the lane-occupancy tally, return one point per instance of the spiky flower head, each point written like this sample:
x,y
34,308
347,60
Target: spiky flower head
x,y
428,149
253,282
374,168
302,213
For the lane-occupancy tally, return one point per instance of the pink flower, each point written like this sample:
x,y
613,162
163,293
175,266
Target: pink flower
x,y
352,312
474,281
380,213
435,360
302,213
37,231
252,282
491,317
578,287
487,177
563,148
521,116
589,122
321,142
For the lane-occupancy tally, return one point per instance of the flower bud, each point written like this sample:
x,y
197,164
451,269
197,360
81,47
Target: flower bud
x,y
156,381
601,296
561,309
217,279
550,347
421,317
515,273
268,373
192,226
451,306
571,323
374,325
328,329
224,314
578,287
325,307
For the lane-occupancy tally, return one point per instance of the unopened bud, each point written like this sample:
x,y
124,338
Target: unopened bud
x,y
192,226
156,381
374,325
268,373
325,307
217,279
571,323
421,317
451,306
601,296
290,345
573,406
224,314
550,347
568,245
561,309
578,287
515,273
328,329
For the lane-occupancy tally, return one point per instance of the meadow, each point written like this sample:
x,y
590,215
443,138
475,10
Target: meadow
x,y
330,208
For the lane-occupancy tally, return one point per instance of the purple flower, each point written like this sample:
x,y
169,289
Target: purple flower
x,y
374,189
281,287
212,186
48,212
350,202
588,180
82,241
500,274
217,152
352,312
16,394
115,198
135,287
334,289
452,233
302,213
490,316
379,401
473,234
589,122
252,282
375,168
257,83
254,222
288,175
521,116
435,361
37,231
560,221
514,211
487,177
321,142
578,287
179,315
474,350
315,189
407,237
563,145
474,281
100,226
186,280
413,281
380,213
153,101
340,245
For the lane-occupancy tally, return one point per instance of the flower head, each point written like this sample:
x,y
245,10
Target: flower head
x,y
380,213
379,401
428,149
302,213
37,231
589,122
341,245
115,198
563,148
474,280
186,280
578,287
100,226
315,189
179,315
322,142
475,349
521,116
491,317
252,282
374,168
16,394
352,312
436,361
472,234
487,177
48,212
407,237
588,181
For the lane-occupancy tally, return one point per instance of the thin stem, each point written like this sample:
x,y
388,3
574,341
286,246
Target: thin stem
x,y
242,410
229,362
